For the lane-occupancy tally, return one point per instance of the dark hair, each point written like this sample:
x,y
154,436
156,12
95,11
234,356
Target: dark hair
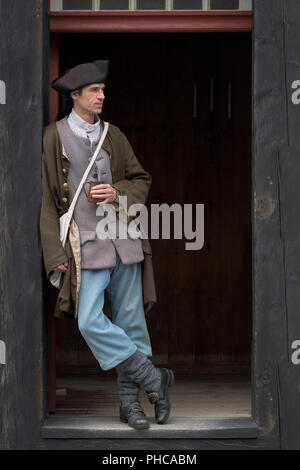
x,y
66,104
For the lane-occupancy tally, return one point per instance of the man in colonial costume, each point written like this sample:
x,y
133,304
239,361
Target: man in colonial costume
x,y
100,274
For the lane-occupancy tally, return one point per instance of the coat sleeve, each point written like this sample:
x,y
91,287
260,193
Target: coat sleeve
x,y
53,251
137,181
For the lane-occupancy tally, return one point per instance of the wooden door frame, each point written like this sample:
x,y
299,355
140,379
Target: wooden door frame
x,y
149,21
130,22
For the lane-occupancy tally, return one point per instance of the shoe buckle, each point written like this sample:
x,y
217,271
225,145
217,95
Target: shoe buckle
x,y
153,397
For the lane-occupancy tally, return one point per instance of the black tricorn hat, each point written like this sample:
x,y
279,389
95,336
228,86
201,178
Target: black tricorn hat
x,y
81,75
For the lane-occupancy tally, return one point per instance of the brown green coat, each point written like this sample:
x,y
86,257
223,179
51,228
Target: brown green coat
x,y
129,178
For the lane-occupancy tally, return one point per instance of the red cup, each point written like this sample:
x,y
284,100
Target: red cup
x,y
89,195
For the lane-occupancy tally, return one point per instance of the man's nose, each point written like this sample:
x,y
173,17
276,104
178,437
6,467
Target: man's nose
x,y
101,95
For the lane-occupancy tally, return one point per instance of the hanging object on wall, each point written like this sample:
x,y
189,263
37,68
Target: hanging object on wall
x,y
195,106
211,94
229,106
229,100
211,133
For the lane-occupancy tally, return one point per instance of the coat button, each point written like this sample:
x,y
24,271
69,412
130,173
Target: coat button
x,y
65,199
65,185
64,170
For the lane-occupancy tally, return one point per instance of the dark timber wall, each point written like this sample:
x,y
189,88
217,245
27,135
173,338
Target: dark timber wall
x,y
275,218
276,221
23,68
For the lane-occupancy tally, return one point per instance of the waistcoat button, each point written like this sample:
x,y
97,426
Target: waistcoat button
x,y
65,199
65,185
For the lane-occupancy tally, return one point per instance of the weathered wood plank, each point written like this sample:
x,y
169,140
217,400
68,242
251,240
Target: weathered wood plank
x,y
23,41
269,128
110,445
289,367
180,428
276,219
289,399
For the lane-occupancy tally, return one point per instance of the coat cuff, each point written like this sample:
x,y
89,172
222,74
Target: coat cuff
x,y
52,265
117,197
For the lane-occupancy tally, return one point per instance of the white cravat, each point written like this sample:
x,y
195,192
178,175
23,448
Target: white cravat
x,y
85,129
82,127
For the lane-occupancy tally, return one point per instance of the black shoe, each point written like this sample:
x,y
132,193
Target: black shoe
x,y
134,415
161,398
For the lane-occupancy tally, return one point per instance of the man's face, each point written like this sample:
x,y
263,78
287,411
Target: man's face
x,y
91,99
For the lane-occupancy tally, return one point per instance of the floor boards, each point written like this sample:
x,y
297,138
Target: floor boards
x,y
191,397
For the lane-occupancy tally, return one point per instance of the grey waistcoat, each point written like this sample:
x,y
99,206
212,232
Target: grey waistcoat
x,y
95,253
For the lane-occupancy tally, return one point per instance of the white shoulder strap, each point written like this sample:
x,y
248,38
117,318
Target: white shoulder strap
x,y
73,203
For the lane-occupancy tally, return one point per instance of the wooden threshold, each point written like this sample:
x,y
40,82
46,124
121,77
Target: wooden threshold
x,y
72,427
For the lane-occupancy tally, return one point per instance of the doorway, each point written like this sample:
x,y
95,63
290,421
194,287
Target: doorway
x,y
184,102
